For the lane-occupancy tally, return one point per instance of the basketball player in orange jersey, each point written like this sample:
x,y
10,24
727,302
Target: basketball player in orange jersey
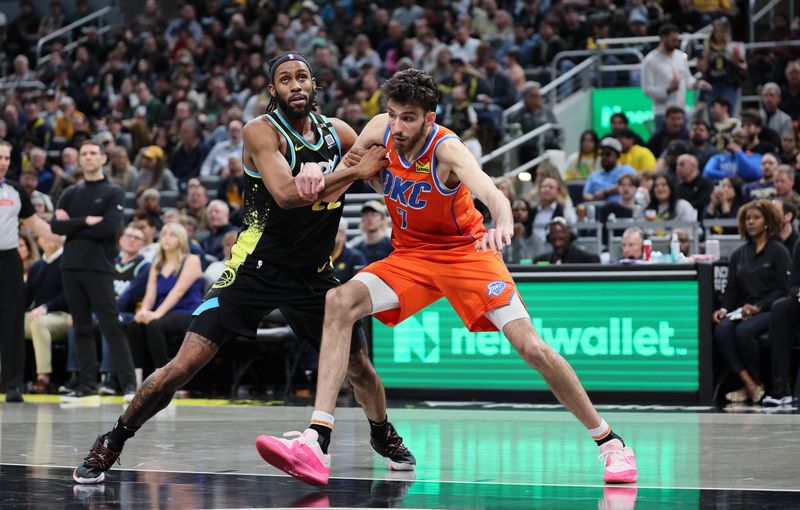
x,y
441,248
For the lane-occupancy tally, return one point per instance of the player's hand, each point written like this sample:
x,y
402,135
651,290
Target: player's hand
x,y
309,181
93,220
353,157
61,215
373,161
496,238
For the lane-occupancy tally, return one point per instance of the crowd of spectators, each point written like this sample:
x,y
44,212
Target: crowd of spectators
x,y
166,95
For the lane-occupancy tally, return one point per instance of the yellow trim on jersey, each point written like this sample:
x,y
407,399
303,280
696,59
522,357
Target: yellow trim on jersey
x,y
245,245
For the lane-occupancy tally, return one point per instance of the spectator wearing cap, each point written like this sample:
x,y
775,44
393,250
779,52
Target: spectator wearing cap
x,y
692,186
190,154
218,215
673,128
666,76
700,142
788,234
216,162
638,157
375,242
765,186
602,183
532,115
734,161
561,236
345,259
774,118
153,171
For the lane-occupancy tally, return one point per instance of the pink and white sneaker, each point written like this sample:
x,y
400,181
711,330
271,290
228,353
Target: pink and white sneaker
x,y
301,456
620,462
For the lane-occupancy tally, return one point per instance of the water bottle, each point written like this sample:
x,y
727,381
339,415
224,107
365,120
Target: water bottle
x,y
675,248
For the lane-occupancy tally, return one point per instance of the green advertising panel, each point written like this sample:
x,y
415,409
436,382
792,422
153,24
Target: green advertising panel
x,y
618,336
629,100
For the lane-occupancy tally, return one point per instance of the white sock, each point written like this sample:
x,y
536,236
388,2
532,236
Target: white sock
x,y
323,418
600,431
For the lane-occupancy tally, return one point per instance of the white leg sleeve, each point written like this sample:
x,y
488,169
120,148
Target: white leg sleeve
x,y
502,315
383,297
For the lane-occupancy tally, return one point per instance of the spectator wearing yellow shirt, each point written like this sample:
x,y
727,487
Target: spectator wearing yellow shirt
x,y
640,158
370,96
709,8
65,123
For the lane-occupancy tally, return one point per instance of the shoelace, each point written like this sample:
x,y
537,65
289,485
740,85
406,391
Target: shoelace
x,y
102,457
295,433
613,455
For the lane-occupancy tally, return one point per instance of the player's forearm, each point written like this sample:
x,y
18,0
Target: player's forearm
x,y
500,208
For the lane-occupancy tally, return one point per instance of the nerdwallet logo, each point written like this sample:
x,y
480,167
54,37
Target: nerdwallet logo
x,y
416,341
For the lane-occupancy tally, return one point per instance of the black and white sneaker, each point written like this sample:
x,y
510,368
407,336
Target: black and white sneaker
x,y
70,385
100,459
81,393
770,401
108,385
392,449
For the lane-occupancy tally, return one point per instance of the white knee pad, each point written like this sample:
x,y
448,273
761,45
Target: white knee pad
x,y
502,315
383,297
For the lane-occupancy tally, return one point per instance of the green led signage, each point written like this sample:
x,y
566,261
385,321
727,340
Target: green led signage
x,y
629,100
622,335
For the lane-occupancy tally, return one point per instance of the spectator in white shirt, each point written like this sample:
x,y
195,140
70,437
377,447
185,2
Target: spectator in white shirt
x,y
216,163
464,46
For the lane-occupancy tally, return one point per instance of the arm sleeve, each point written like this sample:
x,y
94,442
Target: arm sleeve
x,y
712,169
794,289
205,168
58,303
748,166
26,209
112,217
71,226
652,87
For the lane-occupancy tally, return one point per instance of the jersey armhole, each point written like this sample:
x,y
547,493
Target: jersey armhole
x,y
289,144
440,186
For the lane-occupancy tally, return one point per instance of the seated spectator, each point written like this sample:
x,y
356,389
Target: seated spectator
x,y
375,242
734,161
723,124
619,123
586,160
38,163
121,171
756,279
693,187
790,92
549,207
147,225
28,252
345,259
760,139
216,163
627,206
700,143
544,170
231,188
724,203
361,54
788,213
668,161
525,245
153,172
560,236
674,128
29,180
765,186
784,185
632,244
196,203
637,157
218,215
65,124
772,116
532,115
496,89
48,316
190,153
214,270
459,114
783,326
150,207
664,200
174,291
789,147
602,183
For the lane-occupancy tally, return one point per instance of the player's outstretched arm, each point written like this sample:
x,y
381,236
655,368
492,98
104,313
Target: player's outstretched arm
x,y
357,146
261,141
454,157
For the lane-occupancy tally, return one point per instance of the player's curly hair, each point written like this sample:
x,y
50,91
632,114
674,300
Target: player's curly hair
x,y
772,217
412,87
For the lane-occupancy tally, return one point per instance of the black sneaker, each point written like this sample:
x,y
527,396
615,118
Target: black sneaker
x,y
70,385
100,459
392,449
108,385
14,395
81,392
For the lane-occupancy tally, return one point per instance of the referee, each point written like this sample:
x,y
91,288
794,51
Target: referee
x,y
15,206
89,214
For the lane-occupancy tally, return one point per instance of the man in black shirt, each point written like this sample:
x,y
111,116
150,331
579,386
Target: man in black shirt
x,y
788,234
89,214
15,207
692,187
561,237
281,259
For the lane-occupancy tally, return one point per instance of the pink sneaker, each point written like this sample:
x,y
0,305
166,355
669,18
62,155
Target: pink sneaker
x,y
620,462
301,457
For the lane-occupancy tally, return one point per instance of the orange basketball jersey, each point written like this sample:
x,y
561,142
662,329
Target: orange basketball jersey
x,y
424,212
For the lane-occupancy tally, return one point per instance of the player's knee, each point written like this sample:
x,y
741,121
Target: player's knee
x,y
536,353
339,303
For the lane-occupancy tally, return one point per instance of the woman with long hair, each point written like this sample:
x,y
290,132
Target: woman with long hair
x,y
726,199
723,64
547,169
153,171
587,159
664,200
28,252
121,171
174,291
757,276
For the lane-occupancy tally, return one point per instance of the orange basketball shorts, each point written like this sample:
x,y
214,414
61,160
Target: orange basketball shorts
x,y
474,283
